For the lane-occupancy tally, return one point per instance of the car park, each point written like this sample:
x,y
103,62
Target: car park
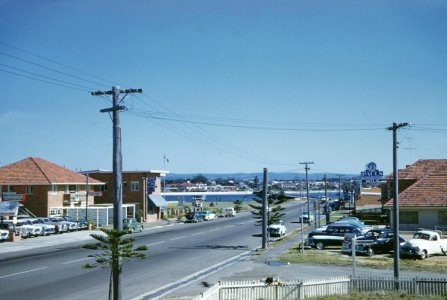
x,y
277,229
82,224
23,228
132,225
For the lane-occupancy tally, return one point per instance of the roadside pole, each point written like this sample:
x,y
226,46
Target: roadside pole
x,y
264,210
87,188
353,255
302,231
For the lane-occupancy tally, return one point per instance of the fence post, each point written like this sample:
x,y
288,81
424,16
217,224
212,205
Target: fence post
x,y
416,286
301,290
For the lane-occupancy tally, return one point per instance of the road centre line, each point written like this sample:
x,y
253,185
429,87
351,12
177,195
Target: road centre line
x,y
177,238
202,232
161,242
215,229
73,261
228,226
18,273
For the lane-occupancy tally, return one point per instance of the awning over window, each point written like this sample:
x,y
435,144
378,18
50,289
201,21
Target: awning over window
x,y
158,200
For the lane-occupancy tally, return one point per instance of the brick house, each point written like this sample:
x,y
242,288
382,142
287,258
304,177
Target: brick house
x,y
45,185
422,195
141,188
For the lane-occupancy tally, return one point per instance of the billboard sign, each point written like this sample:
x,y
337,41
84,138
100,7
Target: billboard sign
x,y
13,197
371,174
9,208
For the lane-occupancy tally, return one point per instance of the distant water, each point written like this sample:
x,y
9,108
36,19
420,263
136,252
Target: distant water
x,y
231,198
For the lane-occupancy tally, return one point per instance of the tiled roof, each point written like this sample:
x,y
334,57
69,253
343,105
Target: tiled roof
x,y
37,171
421,168
430,191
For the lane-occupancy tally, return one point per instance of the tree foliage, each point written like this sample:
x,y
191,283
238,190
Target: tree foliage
x,y
237,205
199,179
275,210
115,249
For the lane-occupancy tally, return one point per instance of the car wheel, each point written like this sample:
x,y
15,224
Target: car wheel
x,y
370,251
423,254
444,251
141,228
319,246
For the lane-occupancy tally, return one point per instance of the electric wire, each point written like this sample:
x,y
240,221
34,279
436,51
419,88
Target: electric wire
x,y
49,68
57,63
42,80
46,77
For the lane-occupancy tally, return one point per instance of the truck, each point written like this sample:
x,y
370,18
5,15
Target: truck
x,y
424,244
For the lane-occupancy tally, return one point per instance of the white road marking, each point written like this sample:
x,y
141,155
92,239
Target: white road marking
x,y
161,242
4,276
215,229
73,261
229,226
202,232
177,238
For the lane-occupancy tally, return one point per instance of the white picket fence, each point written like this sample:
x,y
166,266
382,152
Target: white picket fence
x,y
274,289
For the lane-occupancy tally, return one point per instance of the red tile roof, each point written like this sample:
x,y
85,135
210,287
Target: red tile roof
x,y
430,191
37,171
422,168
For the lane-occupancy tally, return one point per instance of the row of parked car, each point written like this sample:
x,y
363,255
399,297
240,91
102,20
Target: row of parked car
x,y
370,241
32,227
207,215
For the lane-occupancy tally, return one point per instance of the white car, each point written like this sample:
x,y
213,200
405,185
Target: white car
x,y
277,229
46,228
305,218
228,212
4,234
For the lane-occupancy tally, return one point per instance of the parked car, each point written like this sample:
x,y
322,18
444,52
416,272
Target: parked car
x,y
374,241
60,226
82,224
306,218
23,228
277,229
228,212
132,225
335,205
47,229
207,215
4,234
423,244
72,226
332,236
194,217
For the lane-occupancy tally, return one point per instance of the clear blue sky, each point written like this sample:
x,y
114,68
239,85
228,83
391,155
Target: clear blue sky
x,y
229,86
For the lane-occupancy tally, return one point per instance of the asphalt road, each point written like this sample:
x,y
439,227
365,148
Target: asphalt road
x,y
176,254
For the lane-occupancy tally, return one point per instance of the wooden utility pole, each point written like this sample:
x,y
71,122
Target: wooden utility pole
x,y
307,190
394,128
264,209
117,173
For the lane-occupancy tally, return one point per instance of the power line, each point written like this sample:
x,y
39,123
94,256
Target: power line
x,y
56,62
50,69
47,77
46,81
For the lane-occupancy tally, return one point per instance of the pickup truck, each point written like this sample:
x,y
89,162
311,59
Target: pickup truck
x,y
423,244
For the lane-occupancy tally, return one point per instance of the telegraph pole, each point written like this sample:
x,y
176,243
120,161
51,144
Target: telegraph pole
x,y
394,128
307,188
117,172
264,209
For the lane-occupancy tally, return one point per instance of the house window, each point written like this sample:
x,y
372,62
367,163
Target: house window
x,y
54,189
442,217
134,186
10,189
105,187
29,189
408,217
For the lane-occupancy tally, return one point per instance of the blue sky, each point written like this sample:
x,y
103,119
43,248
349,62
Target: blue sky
x,y
229,86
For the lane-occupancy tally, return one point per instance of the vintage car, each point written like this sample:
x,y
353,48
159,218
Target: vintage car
x,y
72,226
333,235
47,229
60,226
277,229
424,244
23,228
132,225
4,234
374,241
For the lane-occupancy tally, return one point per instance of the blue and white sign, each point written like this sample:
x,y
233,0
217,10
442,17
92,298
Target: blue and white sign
x,y
371,174
151,184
